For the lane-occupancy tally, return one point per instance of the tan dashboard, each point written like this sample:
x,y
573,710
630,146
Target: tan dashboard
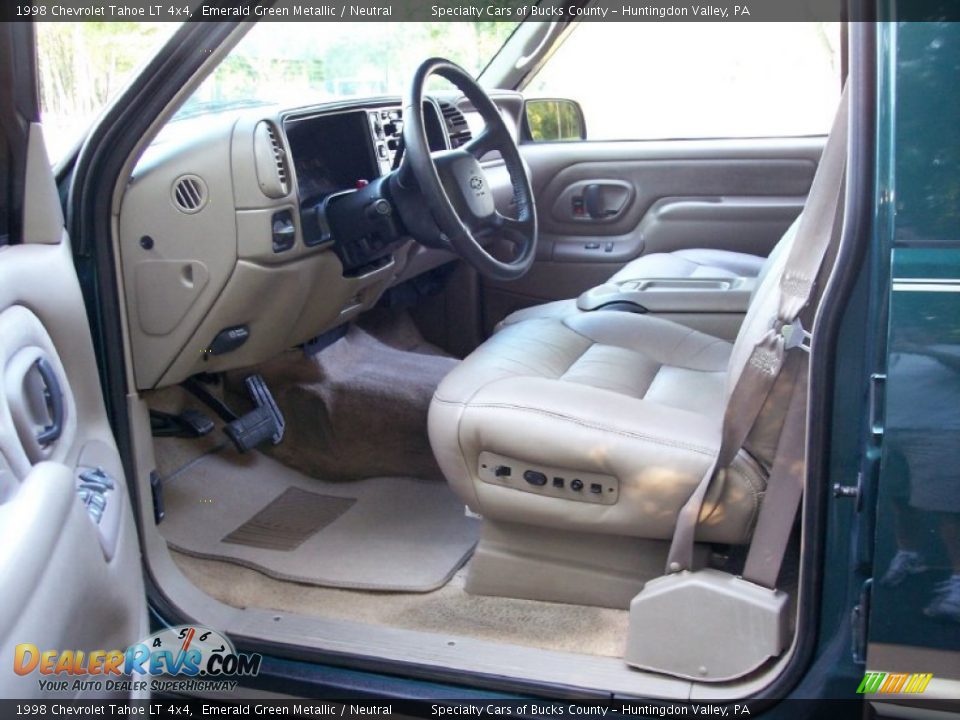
x,y
218,271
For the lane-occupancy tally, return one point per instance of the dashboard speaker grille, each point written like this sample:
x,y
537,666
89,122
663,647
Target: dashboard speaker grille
x,y
457,127
189,194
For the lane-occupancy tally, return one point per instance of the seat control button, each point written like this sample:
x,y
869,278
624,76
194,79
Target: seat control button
x,y
503,471
576,484
596,488
535,478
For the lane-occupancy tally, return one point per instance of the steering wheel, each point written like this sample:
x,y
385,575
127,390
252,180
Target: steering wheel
x,y
455,188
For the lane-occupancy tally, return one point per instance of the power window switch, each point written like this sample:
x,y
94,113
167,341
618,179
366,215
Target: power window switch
x,y
596,488
502,471
97,478
558,482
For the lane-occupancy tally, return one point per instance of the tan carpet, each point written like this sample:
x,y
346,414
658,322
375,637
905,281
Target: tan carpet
x,y
387,533
359,407
359,410
449,610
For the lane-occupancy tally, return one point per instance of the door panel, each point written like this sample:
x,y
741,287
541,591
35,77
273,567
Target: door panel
x,y
603,204
69,556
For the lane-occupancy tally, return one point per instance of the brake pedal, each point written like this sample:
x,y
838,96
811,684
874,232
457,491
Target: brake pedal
x,y
265,422
188,424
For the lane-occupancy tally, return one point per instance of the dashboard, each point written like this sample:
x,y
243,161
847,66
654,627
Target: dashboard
x,y
226,258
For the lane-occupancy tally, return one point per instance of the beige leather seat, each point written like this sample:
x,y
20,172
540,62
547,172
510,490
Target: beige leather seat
x,y
633,398
691,263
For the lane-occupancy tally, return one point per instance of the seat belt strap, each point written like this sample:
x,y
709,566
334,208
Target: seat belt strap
x,y
785,484
818,225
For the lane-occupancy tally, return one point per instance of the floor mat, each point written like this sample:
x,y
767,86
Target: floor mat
x,y
389,533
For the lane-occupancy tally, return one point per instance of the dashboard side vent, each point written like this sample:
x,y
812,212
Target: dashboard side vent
x,y
273,171
456,123
189,194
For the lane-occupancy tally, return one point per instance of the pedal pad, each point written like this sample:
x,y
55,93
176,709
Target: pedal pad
x,y
265,422
188,424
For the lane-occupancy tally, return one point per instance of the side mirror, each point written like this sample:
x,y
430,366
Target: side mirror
x,y
554,120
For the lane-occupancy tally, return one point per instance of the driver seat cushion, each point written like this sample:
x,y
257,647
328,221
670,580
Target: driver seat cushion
x,y
631,396
690,263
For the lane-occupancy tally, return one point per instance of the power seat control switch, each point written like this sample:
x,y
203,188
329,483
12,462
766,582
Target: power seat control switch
x,y
535,478
571,484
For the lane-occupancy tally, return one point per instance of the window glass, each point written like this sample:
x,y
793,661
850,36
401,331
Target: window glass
x,y
82,66
648,80
294,64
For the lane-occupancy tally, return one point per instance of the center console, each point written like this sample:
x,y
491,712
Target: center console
x,y
715,306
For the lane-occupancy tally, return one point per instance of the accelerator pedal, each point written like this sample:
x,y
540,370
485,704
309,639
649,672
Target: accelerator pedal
x,y
265,422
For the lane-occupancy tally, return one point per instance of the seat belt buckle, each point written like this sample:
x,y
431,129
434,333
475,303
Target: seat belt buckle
x,y
796,336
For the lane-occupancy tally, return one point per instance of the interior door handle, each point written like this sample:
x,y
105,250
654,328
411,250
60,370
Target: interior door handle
x,y
594,203
53,395
604,200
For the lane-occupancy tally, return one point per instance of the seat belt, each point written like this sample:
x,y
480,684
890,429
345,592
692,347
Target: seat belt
x,y
768,546
820,221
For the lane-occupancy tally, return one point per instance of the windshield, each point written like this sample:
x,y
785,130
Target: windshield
x,y
295,64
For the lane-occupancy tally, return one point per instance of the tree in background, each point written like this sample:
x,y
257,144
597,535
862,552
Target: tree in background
x,y
83,64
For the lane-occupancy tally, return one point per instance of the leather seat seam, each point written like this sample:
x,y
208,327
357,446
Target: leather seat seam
x,y
583,423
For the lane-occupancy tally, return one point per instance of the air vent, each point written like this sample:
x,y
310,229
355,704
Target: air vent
x,y
189,194
272,170
456,123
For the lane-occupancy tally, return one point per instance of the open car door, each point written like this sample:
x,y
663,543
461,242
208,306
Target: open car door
x,y
69,557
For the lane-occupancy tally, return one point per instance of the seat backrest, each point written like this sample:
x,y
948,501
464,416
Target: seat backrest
x,y
770,302
763,306
782,248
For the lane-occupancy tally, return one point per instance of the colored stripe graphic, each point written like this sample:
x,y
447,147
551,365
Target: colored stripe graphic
x,y
885,683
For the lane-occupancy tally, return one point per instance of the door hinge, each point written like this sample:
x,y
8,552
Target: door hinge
x,y
859,623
